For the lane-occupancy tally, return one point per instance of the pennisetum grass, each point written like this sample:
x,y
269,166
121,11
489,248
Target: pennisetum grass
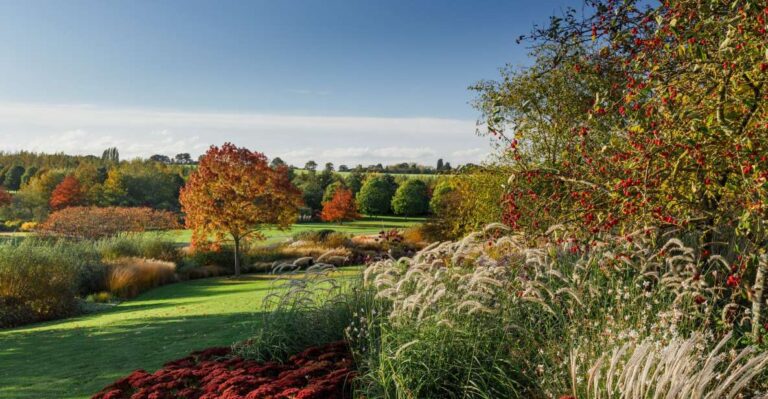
x,y
494,316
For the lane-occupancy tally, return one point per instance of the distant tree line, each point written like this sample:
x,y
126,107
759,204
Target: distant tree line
x,y
42,183
33,185
399,168
179,159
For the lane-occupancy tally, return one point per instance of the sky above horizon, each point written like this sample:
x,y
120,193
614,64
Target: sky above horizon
x,y
347,82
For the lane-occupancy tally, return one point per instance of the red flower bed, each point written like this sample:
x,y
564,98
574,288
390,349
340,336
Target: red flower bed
x,y
317,373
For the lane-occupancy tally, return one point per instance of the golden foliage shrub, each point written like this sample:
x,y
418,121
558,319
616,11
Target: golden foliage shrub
x,y
414,236
40,280
28,226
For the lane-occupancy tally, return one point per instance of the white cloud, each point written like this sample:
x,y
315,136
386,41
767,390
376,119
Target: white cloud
x,y
84,142
86,129
471,153
362,155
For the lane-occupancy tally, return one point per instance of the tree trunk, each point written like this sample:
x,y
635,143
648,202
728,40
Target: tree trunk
x,y
237,257
758,302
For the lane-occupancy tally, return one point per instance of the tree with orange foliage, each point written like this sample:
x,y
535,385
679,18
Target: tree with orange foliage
x,y
235,194
340,208
67,193
5,197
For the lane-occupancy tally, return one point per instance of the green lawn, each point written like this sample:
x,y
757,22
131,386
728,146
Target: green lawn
x,y
426,176
367,225
74,358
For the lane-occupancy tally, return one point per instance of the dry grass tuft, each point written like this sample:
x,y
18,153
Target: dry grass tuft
x,y
129,277
313,250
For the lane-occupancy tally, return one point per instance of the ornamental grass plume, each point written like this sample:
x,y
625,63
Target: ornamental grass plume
x,y
305,307
517,309
683,368
128,277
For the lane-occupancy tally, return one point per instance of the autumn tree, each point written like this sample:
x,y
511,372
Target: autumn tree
x,y
91,178
67,193
33,200
114,190
341,207
234,194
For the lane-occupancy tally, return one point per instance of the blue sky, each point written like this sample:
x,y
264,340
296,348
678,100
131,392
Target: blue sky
x,y
341,81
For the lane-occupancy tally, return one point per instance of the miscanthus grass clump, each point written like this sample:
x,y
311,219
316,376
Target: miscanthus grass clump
x,y
493,316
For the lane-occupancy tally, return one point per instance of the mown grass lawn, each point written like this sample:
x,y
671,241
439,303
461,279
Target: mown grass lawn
x,y
74,358
367,225
423,176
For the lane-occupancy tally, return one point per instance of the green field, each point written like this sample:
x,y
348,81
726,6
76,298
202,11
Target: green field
x,y
299,171
408,175
75,358
367,225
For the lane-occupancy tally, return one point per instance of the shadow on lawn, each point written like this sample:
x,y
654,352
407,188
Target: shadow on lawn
x,y
206,287
168,296
77,362
76,357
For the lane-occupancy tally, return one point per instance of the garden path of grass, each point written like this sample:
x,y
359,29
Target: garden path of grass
x,y
75,358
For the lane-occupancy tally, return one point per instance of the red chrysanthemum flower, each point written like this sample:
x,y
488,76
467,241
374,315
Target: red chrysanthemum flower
x,y
318,372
